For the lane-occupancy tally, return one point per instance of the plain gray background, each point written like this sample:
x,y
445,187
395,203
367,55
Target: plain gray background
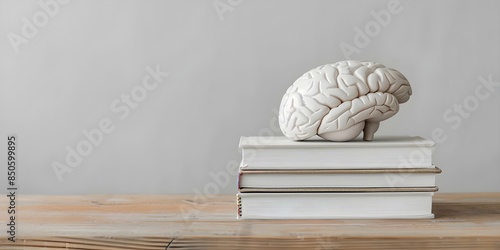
x,y
230,62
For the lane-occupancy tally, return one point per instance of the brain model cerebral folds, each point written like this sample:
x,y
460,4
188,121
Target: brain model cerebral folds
x,y
338,101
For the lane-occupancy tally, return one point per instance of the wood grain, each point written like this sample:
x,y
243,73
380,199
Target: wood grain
x,y
463,221
95,243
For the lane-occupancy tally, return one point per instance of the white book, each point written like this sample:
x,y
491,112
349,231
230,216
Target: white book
x,y
368,205
407,177
279,152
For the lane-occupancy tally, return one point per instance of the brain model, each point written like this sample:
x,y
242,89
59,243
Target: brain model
x,y
338,101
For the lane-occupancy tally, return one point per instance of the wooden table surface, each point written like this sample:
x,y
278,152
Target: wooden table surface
x,y
465,221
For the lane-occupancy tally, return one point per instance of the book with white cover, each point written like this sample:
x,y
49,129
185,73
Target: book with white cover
x,y
339,189
367,205
279,152
407,177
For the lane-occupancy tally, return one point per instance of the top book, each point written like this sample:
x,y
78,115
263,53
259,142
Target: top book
x,y
279,152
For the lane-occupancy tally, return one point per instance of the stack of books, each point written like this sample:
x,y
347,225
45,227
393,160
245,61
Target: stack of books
x,y
391,177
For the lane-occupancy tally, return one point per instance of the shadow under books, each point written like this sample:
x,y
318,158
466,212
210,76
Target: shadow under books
x,y
466,211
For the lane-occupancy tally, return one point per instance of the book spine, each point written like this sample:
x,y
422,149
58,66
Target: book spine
x,y
341,190
238,202
238,180
431,170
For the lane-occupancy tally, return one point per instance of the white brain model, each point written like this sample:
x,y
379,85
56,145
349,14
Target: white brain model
x,y
338,101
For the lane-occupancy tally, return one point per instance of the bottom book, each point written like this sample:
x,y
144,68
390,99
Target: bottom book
x,y
349,205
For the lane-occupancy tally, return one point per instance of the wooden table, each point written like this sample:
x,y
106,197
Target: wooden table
x,y
466,221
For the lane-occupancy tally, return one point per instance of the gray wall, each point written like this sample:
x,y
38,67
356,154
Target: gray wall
x,y
229,63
